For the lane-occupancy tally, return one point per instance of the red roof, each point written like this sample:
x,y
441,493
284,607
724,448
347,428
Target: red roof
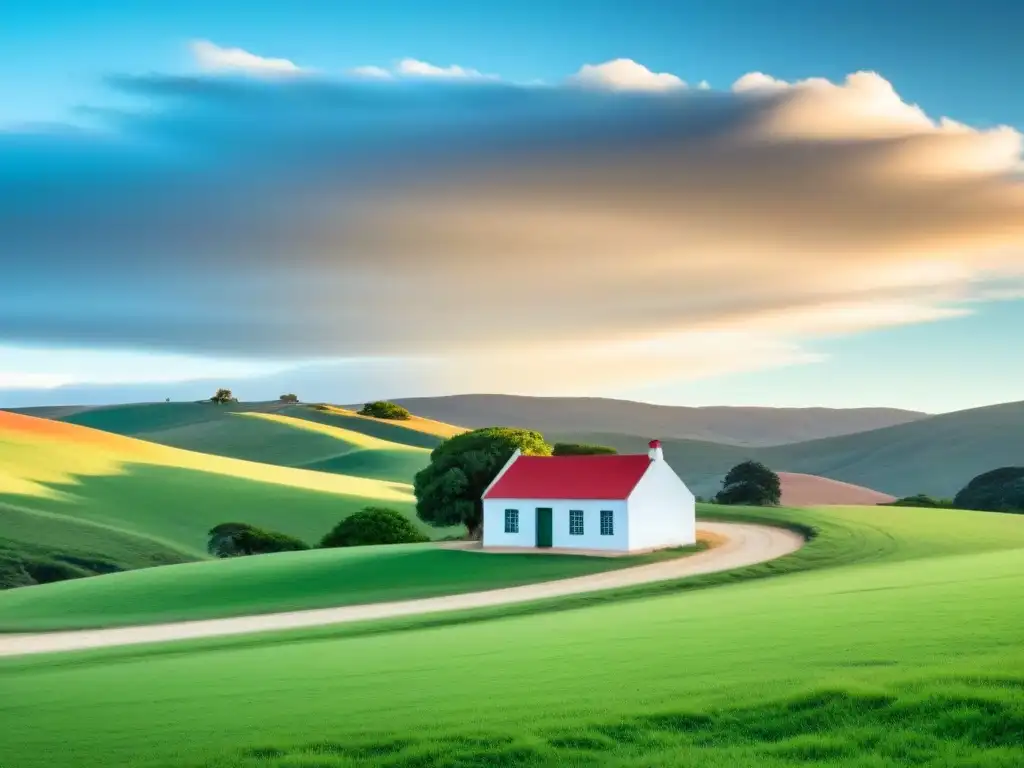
x,y
606,477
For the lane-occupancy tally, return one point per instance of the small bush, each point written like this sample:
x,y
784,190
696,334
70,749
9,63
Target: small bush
x,y
919,500
580,449
238,539
382,409
373,525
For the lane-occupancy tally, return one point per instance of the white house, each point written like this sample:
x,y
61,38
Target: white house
x,y
621,503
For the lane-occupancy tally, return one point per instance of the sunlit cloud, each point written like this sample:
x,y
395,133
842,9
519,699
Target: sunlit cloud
x,y
515,237
624,75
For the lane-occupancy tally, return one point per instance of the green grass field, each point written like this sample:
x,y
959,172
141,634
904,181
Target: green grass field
x,y
894,638
37,547
283,582
336,441
156,503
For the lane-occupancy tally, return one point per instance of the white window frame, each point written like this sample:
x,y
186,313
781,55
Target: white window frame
x,y
511,521
575,522
607,522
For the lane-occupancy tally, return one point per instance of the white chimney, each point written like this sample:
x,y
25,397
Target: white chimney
x,y
655,450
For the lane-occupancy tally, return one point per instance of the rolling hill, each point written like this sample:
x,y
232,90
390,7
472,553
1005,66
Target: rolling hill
x,y
800,490
323,438
729,425
65,484
937,455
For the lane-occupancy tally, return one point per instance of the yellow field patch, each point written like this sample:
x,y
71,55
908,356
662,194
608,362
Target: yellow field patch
x,y
30,464
33,454
415,423
349,436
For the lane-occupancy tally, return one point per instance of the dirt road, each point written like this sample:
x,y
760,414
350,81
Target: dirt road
x,y
743,545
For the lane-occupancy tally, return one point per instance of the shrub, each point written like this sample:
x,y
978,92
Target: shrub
x,y
238,539
382,409
289,398
373,525
750,483
1000,490
580,449
919,500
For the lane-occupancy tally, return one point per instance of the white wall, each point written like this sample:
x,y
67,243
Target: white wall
x,y
494,523
662,512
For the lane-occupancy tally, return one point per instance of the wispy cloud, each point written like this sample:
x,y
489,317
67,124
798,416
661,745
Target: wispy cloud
x,y
214,58
417,68
370,71
600,232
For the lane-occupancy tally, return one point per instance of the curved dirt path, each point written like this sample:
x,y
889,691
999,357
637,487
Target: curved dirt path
x,y
743,545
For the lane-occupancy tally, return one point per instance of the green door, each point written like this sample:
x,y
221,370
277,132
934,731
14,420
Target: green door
x,y
543,527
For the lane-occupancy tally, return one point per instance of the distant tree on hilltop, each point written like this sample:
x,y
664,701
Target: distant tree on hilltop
x,y
580,449
289,398
750,484
223,396
382,409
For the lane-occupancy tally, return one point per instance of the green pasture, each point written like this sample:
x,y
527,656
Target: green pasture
x,y
284,582
38,546
177,507
894,638
271,433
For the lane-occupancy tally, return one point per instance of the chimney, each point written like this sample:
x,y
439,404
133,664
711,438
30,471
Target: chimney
x,y
655,452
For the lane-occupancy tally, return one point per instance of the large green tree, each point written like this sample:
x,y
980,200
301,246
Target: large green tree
x,y
750,484
448,490
1000,490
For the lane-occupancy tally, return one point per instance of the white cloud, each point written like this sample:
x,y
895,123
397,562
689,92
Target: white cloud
x,y
417,68
704,85
806,209
624,75
372,72
758,81
212,57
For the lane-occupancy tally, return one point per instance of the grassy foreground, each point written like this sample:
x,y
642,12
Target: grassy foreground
x,y
284,582
893,638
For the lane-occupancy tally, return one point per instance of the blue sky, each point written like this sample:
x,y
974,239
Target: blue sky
x,y
949,59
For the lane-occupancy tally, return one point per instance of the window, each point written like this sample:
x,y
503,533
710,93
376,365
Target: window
x,y
607,522
575,522
511,521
